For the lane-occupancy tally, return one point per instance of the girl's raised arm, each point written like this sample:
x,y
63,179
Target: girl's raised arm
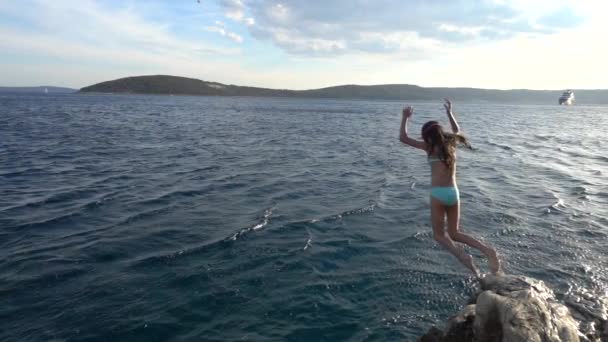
x,y
403,137
448,109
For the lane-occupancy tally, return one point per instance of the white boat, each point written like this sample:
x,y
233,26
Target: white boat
x,y
567,98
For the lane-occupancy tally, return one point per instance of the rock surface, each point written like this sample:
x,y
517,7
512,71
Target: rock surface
x,y
516,309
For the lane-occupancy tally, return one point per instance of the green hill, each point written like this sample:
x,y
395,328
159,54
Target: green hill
x,y
162,84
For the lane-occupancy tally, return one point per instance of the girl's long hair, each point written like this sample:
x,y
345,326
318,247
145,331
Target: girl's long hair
x,y
442,142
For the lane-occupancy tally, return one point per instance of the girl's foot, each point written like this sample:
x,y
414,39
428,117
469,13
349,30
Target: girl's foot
x,y
494,262
468,262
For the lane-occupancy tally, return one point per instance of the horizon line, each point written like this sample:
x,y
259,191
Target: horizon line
x,y
324,87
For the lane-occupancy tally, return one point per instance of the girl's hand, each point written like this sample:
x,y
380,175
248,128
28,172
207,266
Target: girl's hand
x,y
448,105
408,112
448,110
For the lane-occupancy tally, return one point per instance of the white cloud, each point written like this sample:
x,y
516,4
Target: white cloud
x,y
118,42
340,26
235,15
341,42
223,32
99,28
278,13
235,10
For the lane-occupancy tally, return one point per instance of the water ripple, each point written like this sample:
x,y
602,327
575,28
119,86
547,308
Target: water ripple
x,y
156,217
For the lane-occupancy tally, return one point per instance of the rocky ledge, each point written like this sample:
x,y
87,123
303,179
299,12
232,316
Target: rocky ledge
x,y
517,309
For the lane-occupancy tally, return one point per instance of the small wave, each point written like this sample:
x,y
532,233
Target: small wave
x,y
167,197
600,158
506,218
309,241
579,190
46,223
558,206
168,257
47,278
501,146
113,179
592,233
146,214
263,223
602,194
90,205
506,232
196,171
26,172
66,196
572,153
542,137
421,236
359,211
589,306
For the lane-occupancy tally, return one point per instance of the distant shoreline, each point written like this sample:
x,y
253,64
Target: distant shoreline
x,y
164,85
174,85
37,90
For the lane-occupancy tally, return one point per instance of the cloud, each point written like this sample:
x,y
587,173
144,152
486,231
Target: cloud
x,y
430,43
235,10
99,29
353,26
220,28
118,41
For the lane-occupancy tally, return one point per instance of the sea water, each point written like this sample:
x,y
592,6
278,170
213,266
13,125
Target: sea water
x,y
154,218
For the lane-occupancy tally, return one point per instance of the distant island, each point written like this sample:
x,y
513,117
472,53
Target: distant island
x,y
173,85
41,89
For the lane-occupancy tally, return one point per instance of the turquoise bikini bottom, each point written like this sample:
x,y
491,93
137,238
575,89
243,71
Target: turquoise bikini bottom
x,y
447,195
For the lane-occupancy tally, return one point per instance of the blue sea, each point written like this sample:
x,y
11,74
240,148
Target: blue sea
x,y
176,218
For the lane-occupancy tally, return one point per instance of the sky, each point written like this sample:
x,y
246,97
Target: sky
x,y
304,44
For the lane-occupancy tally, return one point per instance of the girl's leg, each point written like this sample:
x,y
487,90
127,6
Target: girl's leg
x,y
438,223
453,214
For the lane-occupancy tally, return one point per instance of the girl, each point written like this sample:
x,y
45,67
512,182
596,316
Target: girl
x,y
440,148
